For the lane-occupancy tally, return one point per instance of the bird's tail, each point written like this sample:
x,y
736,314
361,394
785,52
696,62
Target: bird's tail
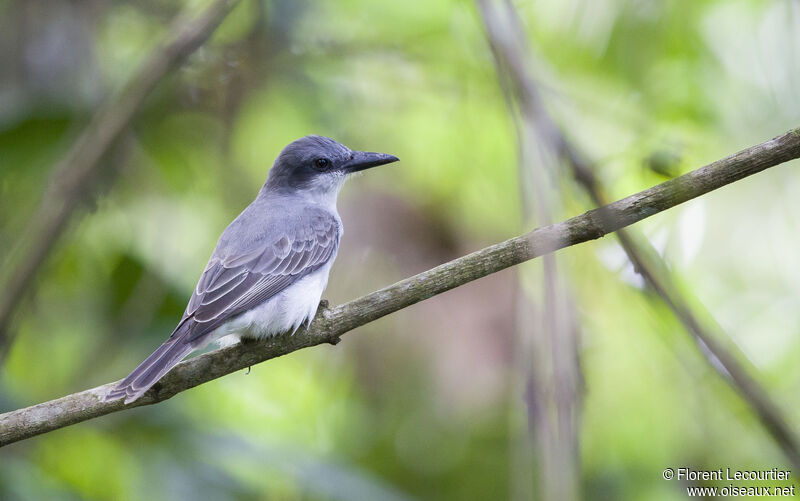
x,y
154,367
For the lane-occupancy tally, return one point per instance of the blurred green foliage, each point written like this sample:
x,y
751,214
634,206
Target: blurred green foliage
x,y
417,405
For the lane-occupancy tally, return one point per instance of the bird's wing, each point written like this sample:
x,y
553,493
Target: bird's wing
x,y
236,282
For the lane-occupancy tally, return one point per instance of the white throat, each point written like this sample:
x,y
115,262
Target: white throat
x,y
324,192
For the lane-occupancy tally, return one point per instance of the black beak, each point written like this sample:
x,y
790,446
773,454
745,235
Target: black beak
x,y
360,160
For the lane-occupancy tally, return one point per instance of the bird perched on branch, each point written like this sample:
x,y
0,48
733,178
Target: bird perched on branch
x,y
271,264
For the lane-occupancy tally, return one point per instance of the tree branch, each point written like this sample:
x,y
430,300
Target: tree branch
x,y
77,172
330,324
511,56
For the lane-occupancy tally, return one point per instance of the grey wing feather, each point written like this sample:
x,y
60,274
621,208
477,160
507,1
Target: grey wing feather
x,y
233,284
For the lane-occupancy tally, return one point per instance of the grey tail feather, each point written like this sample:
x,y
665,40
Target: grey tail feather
x,y
154,367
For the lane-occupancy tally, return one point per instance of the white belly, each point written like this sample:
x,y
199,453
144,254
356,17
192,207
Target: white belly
x,y
287,311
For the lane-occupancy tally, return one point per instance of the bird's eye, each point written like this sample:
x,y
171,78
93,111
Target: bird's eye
x,y
322,163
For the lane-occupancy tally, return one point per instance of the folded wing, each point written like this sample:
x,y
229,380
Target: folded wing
x,y
235,282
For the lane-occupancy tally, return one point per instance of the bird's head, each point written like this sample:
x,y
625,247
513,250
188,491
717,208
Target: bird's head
x,y
318,166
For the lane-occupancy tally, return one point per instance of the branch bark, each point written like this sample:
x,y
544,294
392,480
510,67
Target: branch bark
x,y
330,324
76,173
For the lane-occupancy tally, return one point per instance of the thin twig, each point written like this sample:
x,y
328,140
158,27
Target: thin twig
x,y
330,324
76,174
646,261
549,358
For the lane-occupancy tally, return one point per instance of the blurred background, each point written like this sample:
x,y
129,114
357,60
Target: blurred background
x,y
423,404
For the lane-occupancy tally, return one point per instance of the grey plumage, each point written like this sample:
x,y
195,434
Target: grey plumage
x,y
271,264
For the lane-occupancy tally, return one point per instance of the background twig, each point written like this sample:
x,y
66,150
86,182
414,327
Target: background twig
x,y
547,359
645,259
331,324
76,173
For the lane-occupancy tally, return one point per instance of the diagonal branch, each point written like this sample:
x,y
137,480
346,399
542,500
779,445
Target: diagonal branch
x,y
330,324
76,174
639,251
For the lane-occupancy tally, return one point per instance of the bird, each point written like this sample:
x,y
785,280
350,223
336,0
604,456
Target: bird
x,y
271,265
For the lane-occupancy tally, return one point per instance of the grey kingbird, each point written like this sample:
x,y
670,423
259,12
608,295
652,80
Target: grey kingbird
x,y
271,264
